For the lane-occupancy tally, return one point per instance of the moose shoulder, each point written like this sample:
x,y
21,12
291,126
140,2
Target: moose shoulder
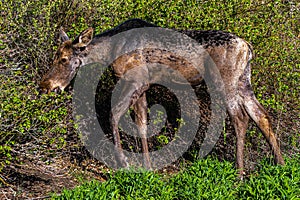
x,y
230,53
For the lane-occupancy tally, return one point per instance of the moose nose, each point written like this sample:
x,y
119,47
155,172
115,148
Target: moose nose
x,y
47,91
42,91
57,90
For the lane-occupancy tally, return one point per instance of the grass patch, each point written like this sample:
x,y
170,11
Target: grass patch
x,y
273,182
205,179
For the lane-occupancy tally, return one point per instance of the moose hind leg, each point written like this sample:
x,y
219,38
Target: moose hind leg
x,y
239,119
140,109
262,119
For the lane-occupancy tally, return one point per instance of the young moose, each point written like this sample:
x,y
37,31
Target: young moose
x,y
231,54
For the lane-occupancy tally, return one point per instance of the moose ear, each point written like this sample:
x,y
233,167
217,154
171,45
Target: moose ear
x,y
62,36
84,38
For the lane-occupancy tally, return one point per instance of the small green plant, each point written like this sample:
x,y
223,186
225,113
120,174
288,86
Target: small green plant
x,y
5,152
162,139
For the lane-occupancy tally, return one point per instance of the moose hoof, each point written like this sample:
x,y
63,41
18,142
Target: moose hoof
x,y
241,175
122,161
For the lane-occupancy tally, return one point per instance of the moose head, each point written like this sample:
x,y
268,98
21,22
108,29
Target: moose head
x,y
67,61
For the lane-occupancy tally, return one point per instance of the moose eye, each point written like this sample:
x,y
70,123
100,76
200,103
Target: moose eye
x,y
76,62
63,60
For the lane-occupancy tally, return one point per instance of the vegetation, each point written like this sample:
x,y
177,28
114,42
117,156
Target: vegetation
x,y
205,179
40,129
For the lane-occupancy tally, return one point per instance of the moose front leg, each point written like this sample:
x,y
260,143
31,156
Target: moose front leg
x,y
116,114
129,96
140,111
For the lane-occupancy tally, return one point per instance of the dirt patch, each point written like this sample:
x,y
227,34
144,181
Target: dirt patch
x,y
34,178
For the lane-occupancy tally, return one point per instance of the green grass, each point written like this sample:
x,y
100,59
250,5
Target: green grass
x,y
205,179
